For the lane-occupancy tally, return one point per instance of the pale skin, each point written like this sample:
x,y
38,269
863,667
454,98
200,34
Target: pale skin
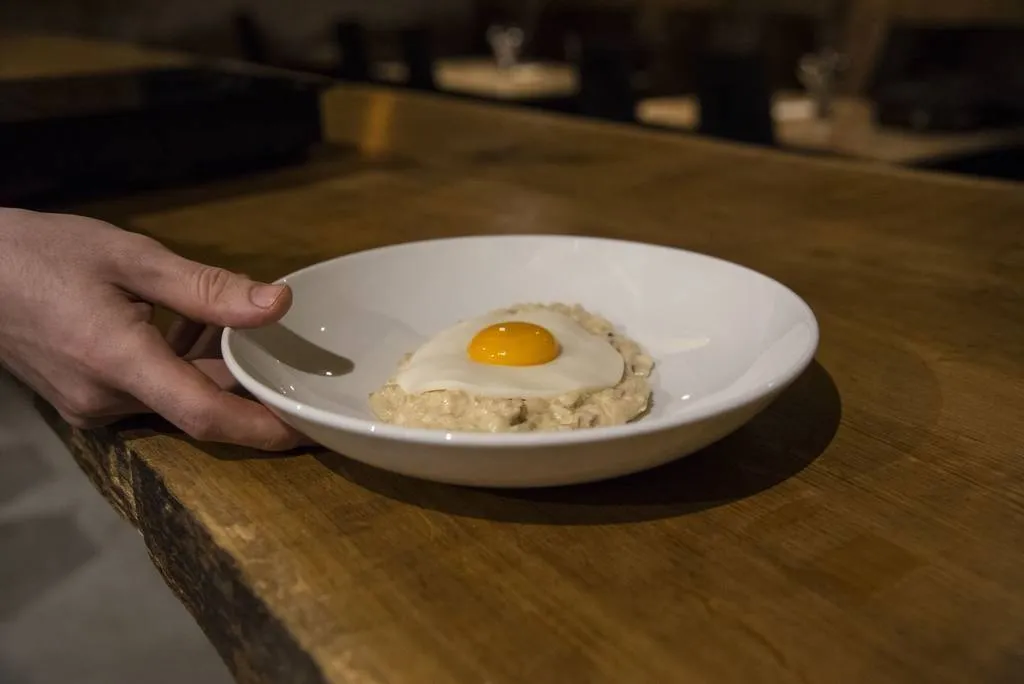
x,y
76,326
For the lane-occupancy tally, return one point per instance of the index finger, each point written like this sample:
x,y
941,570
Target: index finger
x,y
190,400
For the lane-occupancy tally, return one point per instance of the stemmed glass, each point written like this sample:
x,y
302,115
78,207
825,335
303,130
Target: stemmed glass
x,y
506,44
818,72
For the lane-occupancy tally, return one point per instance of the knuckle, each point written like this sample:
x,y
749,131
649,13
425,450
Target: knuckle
x,y
139,242
84,423
85,402
199,424
92,351
281,442
73,419
211,283
129,251
141,312
102,350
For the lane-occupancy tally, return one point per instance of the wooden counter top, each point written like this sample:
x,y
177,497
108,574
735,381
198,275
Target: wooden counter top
x,y
869,527
42,56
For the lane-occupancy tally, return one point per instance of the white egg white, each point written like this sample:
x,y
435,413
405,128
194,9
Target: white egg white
x,y
586,362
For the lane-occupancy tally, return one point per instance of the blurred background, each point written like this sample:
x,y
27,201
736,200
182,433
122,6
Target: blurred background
x,y
299,29
927,83
935,84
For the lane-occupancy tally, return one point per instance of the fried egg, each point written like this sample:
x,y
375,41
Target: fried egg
x,y
533,353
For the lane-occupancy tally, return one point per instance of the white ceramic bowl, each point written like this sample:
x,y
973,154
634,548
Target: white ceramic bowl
x,y
726,341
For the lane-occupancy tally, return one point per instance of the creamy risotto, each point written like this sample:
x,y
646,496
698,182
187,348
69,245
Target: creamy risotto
x,y
462,409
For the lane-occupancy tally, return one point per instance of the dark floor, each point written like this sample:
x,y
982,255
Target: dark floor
x,y
79,599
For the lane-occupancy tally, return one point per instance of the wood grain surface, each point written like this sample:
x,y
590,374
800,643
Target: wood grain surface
x,y
44,56
868,527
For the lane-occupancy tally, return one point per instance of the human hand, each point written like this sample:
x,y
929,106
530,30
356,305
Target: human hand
x,y
76,303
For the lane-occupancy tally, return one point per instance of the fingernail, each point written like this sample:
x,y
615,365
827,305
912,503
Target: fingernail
x,y
264,296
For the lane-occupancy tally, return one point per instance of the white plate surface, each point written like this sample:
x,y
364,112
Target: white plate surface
x,y
726,341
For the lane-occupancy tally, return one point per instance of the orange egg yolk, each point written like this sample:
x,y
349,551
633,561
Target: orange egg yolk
x,y
515,343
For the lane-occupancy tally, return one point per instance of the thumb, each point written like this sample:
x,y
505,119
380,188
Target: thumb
x,y
202,293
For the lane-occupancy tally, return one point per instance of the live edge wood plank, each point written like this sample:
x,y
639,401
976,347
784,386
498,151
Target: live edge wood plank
x,y
869,527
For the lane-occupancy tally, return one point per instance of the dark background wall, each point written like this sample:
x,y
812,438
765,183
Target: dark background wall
x,y
302,28
297,26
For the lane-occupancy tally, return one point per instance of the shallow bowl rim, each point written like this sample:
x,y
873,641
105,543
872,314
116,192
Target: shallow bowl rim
x,y
381,430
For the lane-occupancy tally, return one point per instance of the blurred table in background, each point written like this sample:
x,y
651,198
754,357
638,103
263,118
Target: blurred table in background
x,y
482,77
850,130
